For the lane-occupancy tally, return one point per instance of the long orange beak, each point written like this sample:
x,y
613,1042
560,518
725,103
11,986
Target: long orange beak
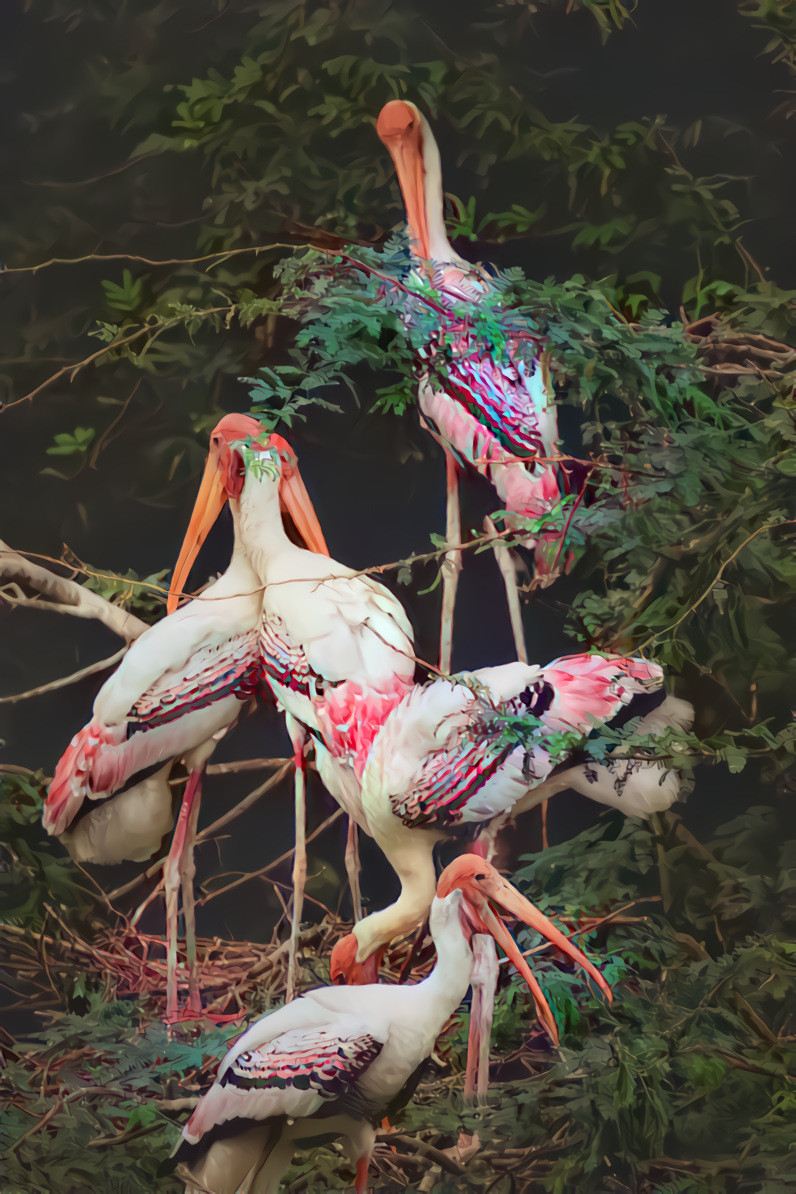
x,y
209,503
400,129
213,493
480,883
294,498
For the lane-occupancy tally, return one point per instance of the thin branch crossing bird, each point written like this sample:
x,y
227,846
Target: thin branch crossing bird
x,y
335,646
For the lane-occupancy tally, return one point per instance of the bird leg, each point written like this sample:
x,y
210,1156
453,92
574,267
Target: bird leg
x,y
451,565
298,737
363,1165
187,875
171,881
485,978
506,565
352,867
483,983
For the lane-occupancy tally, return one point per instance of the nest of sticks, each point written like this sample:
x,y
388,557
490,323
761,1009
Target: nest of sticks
x,y
234,975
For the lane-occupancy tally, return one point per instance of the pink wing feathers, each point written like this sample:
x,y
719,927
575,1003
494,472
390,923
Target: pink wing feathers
x,y
461,768
180,710
342,670
588,689
293,1074
230,668
497,415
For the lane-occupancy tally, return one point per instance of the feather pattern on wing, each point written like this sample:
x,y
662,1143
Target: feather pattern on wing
x,y
218,670
337,650
442,758
290,1062
179,685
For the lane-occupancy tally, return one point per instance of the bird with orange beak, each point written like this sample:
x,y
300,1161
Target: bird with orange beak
x,y
335,646
179,689
339,1059
490,408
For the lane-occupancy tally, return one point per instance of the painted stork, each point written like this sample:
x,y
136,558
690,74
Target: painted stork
x,y
446,763
337,1060
489,408
335,646
175,694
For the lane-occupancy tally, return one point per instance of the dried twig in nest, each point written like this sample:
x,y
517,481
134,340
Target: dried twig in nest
x,y
729,352
128,963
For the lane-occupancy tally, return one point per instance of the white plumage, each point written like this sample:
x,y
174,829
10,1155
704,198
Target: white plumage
x,y
337,1059
444,760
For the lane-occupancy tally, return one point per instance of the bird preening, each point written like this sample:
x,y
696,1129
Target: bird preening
x,y
338,1059
412,753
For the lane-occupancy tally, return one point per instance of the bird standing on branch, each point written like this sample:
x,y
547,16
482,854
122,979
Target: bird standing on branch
x,y
335,646
175,694
485,392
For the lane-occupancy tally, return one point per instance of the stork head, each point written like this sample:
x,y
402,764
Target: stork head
x,y
344,967
238,443
482,888
407,136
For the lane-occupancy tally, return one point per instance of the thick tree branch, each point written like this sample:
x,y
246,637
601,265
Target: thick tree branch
x,y
64,596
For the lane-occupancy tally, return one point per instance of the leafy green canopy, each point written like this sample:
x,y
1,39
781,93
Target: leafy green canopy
x,y
272,138
692,463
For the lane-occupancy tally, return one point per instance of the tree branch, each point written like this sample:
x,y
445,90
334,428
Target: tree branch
x,y
211,830
65,596
422,1148
100,666
211,895
769,526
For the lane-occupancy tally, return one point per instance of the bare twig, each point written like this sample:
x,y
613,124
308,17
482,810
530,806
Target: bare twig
x,y
283,857
210,831
243,805
81,1093
244,765
264,870
769,526
155,329
123,1137
219,257
415,1145
101,666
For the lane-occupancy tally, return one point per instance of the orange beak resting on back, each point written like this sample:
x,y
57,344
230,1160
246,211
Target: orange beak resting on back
x,y
480,883
223,479
401,129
